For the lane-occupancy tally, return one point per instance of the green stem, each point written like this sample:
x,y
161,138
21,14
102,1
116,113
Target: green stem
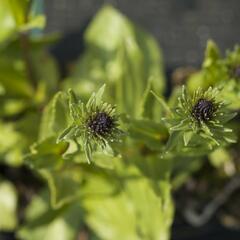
x,y
25,45
26,51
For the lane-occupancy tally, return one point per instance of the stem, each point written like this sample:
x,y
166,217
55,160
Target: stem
x,y
25,45
26,51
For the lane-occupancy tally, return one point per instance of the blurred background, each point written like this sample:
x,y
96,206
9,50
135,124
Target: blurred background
x,y
181,27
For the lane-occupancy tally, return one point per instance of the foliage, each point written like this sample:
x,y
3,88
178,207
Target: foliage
x,y
220,71
107,143
8,206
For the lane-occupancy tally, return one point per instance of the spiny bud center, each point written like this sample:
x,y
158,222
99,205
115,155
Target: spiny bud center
x,y
203,110
101,124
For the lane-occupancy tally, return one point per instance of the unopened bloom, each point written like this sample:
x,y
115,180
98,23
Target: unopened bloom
x,y
94,125
201,118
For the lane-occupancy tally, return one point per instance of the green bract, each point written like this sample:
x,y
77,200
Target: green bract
x,y
221,71
94,124
200,120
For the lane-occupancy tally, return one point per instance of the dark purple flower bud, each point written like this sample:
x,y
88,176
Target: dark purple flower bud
x,y
101,124
203,110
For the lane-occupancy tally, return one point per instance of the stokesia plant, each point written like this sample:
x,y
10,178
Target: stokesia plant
x,y
109,146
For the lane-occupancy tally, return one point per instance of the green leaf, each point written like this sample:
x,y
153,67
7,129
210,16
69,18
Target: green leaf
x,y
63,176
220,157
230,93
122,56
20,93
181,126
104,160
187,137
19,10
64,185
67,134
36,22
163,104
212,53
230,137
96,98
8,206
46,154
16,138
19,15
213,70
7,22
173,141
43,223
55,117
99,95
47,72
24,14
88,152
146,131
14,69
8,139
149,214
